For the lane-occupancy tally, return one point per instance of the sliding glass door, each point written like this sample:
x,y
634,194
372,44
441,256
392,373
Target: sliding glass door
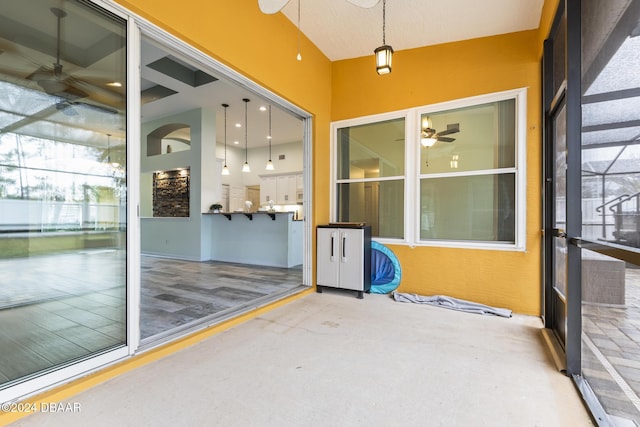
x,y
63,189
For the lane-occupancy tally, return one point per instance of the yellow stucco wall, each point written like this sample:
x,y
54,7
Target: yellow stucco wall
x,y
447,72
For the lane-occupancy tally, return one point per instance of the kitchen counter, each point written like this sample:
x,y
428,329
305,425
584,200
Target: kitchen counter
x,y
260,238
230,215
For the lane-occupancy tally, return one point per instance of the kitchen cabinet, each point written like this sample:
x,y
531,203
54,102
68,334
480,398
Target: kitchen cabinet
x,y
283,189
286,190
299,188
268,189
344,257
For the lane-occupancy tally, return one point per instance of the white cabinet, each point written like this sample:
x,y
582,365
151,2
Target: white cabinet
x,y
344,257
286,191
283,189
268,189
237,196
299,188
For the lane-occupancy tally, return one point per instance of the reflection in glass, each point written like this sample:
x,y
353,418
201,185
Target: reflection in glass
x,y
377,203
62,202
367,153
486,139
475,208
371,151
610,205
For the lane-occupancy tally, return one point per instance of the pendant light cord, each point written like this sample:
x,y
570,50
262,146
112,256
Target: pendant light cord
x,y
299,57
384,13
225,133
270,136
245,130
108,148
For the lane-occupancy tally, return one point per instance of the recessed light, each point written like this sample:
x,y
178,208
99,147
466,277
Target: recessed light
x,y
238,125
236,142
263,108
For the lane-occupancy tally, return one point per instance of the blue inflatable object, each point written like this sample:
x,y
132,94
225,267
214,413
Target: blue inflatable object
x,y
385,269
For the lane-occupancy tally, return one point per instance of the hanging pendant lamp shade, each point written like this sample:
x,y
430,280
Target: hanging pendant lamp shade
x,y
225,168
269,166
245,167
384,53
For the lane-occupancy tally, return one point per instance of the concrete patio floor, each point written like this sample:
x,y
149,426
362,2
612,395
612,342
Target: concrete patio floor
x,y
330,359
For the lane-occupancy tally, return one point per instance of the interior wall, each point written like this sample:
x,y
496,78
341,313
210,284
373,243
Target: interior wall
x,y
238,35
181,238
446,72
293,162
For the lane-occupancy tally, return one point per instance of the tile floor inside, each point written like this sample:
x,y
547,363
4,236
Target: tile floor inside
x,y
68,307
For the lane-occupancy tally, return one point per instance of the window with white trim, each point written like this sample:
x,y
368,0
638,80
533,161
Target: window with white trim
x,y
371,174
450,174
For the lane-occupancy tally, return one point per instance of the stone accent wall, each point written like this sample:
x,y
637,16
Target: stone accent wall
x,y
171,193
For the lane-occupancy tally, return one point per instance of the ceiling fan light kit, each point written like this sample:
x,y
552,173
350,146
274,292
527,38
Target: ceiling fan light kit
x,y
429,136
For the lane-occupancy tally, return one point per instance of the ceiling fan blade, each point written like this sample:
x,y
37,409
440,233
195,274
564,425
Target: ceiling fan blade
x,y
367,4
445,139
66,108
272,6
98,108
453,128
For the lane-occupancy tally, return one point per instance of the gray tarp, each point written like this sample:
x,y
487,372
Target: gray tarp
x,y
452,303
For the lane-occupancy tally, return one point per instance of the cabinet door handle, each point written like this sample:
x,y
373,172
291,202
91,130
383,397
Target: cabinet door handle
x,y
331,247
344,248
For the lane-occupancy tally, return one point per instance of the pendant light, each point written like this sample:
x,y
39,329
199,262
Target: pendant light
x,y
269,166
113,164
225,168
384,53
245,167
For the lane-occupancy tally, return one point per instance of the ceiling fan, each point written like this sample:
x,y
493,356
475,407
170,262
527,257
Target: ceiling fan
x,y
274,6
52,79
429,136
69,91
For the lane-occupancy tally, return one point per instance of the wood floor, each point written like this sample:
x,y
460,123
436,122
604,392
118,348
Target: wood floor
x,y
175,293
60,308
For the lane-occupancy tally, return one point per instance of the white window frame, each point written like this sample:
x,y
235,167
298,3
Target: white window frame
x,y
394,115
412,175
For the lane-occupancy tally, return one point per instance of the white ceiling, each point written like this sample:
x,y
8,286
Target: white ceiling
x,y
342,30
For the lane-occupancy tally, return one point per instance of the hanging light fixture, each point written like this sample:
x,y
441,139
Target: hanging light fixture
x,y
245,167
384,53
427,134
269,166
225,168
113,164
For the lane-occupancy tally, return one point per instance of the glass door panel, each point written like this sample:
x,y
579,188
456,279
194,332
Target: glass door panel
x,y
610,207
63,192
559,254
